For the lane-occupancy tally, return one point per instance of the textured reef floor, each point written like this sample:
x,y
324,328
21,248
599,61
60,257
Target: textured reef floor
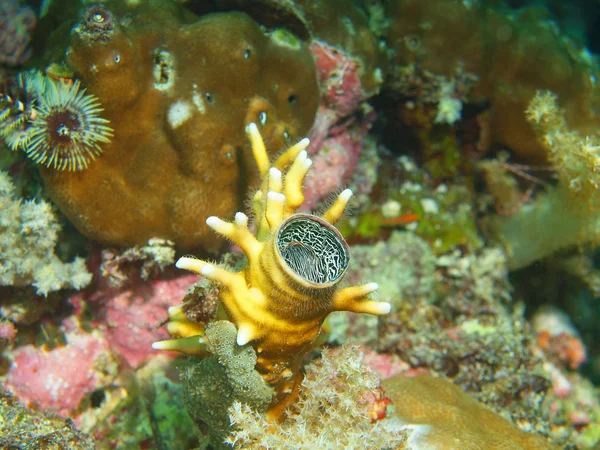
x,y
421,272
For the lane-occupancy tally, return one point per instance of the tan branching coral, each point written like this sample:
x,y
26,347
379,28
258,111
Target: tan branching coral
x,y
566,215
575,158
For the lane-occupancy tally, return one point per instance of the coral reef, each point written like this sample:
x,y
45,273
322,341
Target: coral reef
x,y
558,338
22,306
341,393
351,64
178,109
28,234
8,334
16,25
344,117
351,38
144,411
452,317
335,151
443,214
467,134
403,267
110,331
130,317
151,258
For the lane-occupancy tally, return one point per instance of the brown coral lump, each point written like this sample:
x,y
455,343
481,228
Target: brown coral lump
x,y
178,91
444,417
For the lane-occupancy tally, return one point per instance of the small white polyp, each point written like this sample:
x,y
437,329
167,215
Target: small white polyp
x,y
241,219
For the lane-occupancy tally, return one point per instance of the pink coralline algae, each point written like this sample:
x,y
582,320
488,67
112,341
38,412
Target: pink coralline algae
x,y
60,378
334,160
125,323
16,24
131,317
385,365
8,333
339,78
336,136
